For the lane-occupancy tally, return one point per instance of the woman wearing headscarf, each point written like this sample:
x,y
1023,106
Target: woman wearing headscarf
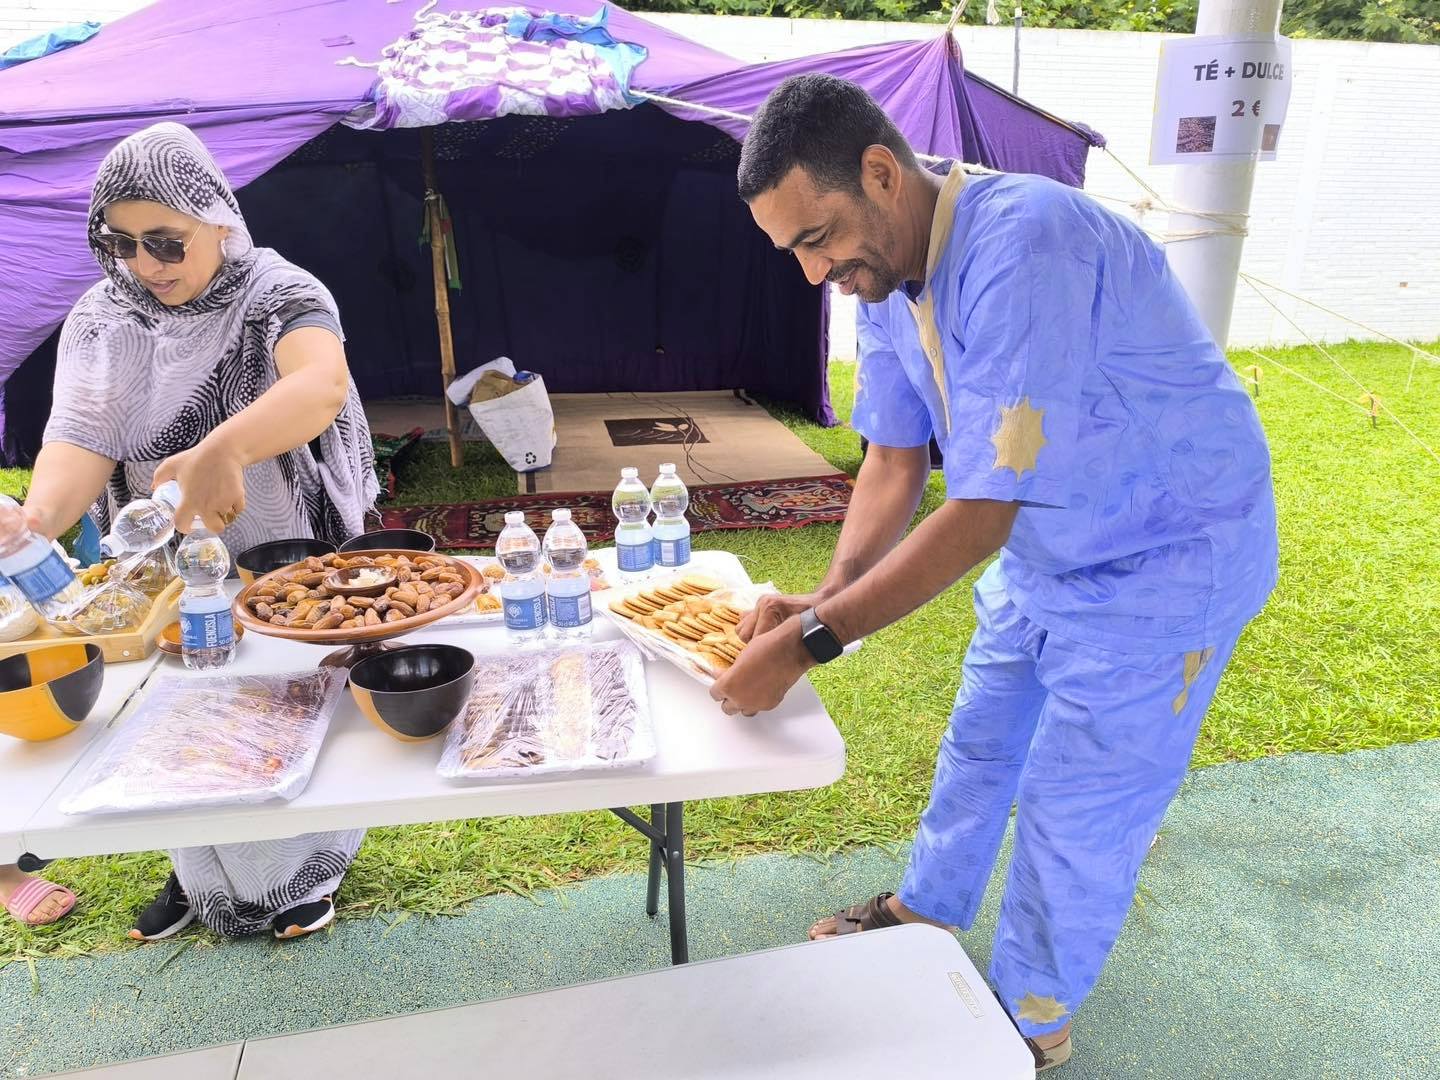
x,y
203,359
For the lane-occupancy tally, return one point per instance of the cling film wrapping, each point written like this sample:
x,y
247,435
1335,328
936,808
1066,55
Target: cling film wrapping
x,y
552,711
211,741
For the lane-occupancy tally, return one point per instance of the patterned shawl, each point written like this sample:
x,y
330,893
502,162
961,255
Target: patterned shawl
x,y
137,381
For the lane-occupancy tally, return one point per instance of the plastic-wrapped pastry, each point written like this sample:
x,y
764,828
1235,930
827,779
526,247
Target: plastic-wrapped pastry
x,y
17,617
558,710
212,741
110,609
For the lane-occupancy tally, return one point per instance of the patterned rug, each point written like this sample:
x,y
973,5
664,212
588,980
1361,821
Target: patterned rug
x,y
390,454
756,504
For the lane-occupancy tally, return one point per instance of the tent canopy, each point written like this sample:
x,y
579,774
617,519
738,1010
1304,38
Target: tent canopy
x,y
605,249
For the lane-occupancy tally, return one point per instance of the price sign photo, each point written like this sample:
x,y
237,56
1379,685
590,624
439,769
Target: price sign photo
x,y
1220,98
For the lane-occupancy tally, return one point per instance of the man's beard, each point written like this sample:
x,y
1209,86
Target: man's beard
x,y
882,279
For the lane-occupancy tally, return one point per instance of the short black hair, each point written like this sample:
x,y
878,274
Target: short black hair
x,y
822,124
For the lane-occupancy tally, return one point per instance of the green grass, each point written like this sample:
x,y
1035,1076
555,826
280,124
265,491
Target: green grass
x,y
1341,659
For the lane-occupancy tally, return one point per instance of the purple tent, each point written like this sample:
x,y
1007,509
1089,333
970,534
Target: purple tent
x,y
603,247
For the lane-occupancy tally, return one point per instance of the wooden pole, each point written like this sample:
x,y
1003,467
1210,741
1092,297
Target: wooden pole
x,y
442,292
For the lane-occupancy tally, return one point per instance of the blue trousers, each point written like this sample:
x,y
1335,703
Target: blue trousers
x,y
1092,745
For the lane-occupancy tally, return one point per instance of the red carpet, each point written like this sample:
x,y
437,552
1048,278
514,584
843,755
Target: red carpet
x,y
755,504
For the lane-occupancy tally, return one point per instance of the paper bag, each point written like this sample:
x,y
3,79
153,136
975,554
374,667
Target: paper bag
x,y
521,425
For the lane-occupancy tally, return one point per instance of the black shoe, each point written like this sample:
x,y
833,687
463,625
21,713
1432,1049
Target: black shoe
x,y
168,914
304,919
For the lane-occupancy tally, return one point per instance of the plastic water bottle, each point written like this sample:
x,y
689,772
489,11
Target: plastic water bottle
x,y
523,591
207,629
634,547
567,592
35,567
144,524
672,531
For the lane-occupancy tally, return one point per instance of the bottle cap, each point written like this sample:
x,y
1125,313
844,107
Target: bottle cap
x,y
629,474
515,517
560,515
197,524
667,467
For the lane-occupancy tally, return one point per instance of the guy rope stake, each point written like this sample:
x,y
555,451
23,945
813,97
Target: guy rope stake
x,y
1372,403
1253,373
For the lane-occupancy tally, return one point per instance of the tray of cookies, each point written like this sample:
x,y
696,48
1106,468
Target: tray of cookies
x,y
688,619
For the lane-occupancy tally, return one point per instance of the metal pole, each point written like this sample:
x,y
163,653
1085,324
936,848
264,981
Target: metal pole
x,y
1015,70
1209,266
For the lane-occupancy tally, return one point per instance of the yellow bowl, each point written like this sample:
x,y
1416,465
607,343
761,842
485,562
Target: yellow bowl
x,y
49,692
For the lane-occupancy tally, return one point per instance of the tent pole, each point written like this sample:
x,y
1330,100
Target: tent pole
x,y
442,291
1209,265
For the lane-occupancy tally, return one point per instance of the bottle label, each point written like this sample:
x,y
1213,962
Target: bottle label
x,y
207,629
634,557
568,611
673,552
525,613
45,579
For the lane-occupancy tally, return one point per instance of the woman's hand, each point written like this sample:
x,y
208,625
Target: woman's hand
x,y
212,484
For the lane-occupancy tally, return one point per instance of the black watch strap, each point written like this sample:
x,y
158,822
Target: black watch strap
x,y
820,641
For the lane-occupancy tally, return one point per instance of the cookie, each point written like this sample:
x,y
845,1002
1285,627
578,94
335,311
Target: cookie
x,y
709,621
701,583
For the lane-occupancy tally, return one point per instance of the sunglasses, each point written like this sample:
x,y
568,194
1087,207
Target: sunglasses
x,y
165,249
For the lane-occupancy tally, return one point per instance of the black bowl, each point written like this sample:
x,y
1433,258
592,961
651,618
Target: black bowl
x,y
414,692
261,559
396,539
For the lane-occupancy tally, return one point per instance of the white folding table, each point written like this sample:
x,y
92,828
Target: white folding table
x,y
905,1001
364,778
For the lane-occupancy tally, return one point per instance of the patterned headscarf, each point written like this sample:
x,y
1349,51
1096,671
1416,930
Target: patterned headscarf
x,y
138,380
167,164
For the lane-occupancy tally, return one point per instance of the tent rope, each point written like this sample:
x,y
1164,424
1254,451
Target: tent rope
x,y
1226,222
1375,403
1252,280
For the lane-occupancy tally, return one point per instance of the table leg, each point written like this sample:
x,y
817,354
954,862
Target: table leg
x,y
675,879
666,832
657,859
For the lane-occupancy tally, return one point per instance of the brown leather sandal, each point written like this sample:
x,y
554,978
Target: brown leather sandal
x,y
874,914
1051,1058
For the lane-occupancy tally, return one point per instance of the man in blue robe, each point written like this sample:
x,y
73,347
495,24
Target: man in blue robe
x,y
1095,437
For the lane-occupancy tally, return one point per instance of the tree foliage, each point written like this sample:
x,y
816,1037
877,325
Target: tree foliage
x,y
1411,21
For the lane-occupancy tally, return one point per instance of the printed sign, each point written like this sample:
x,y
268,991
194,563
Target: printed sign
x,y
1220,98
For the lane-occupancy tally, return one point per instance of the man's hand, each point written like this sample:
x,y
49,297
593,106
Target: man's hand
x,y
772,610
768,667
212,485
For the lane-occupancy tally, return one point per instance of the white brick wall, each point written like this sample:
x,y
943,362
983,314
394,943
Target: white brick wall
x,y
1346,216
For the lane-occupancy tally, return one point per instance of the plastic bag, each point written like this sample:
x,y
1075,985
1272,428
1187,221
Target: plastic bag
x,y
212,741
556,710
17,618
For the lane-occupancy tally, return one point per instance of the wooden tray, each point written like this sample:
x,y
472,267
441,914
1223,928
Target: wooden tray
x,y
368,640
116,648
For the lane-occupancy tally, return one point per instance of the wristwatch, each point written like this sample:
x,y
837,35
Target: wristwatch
x,y
820,641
